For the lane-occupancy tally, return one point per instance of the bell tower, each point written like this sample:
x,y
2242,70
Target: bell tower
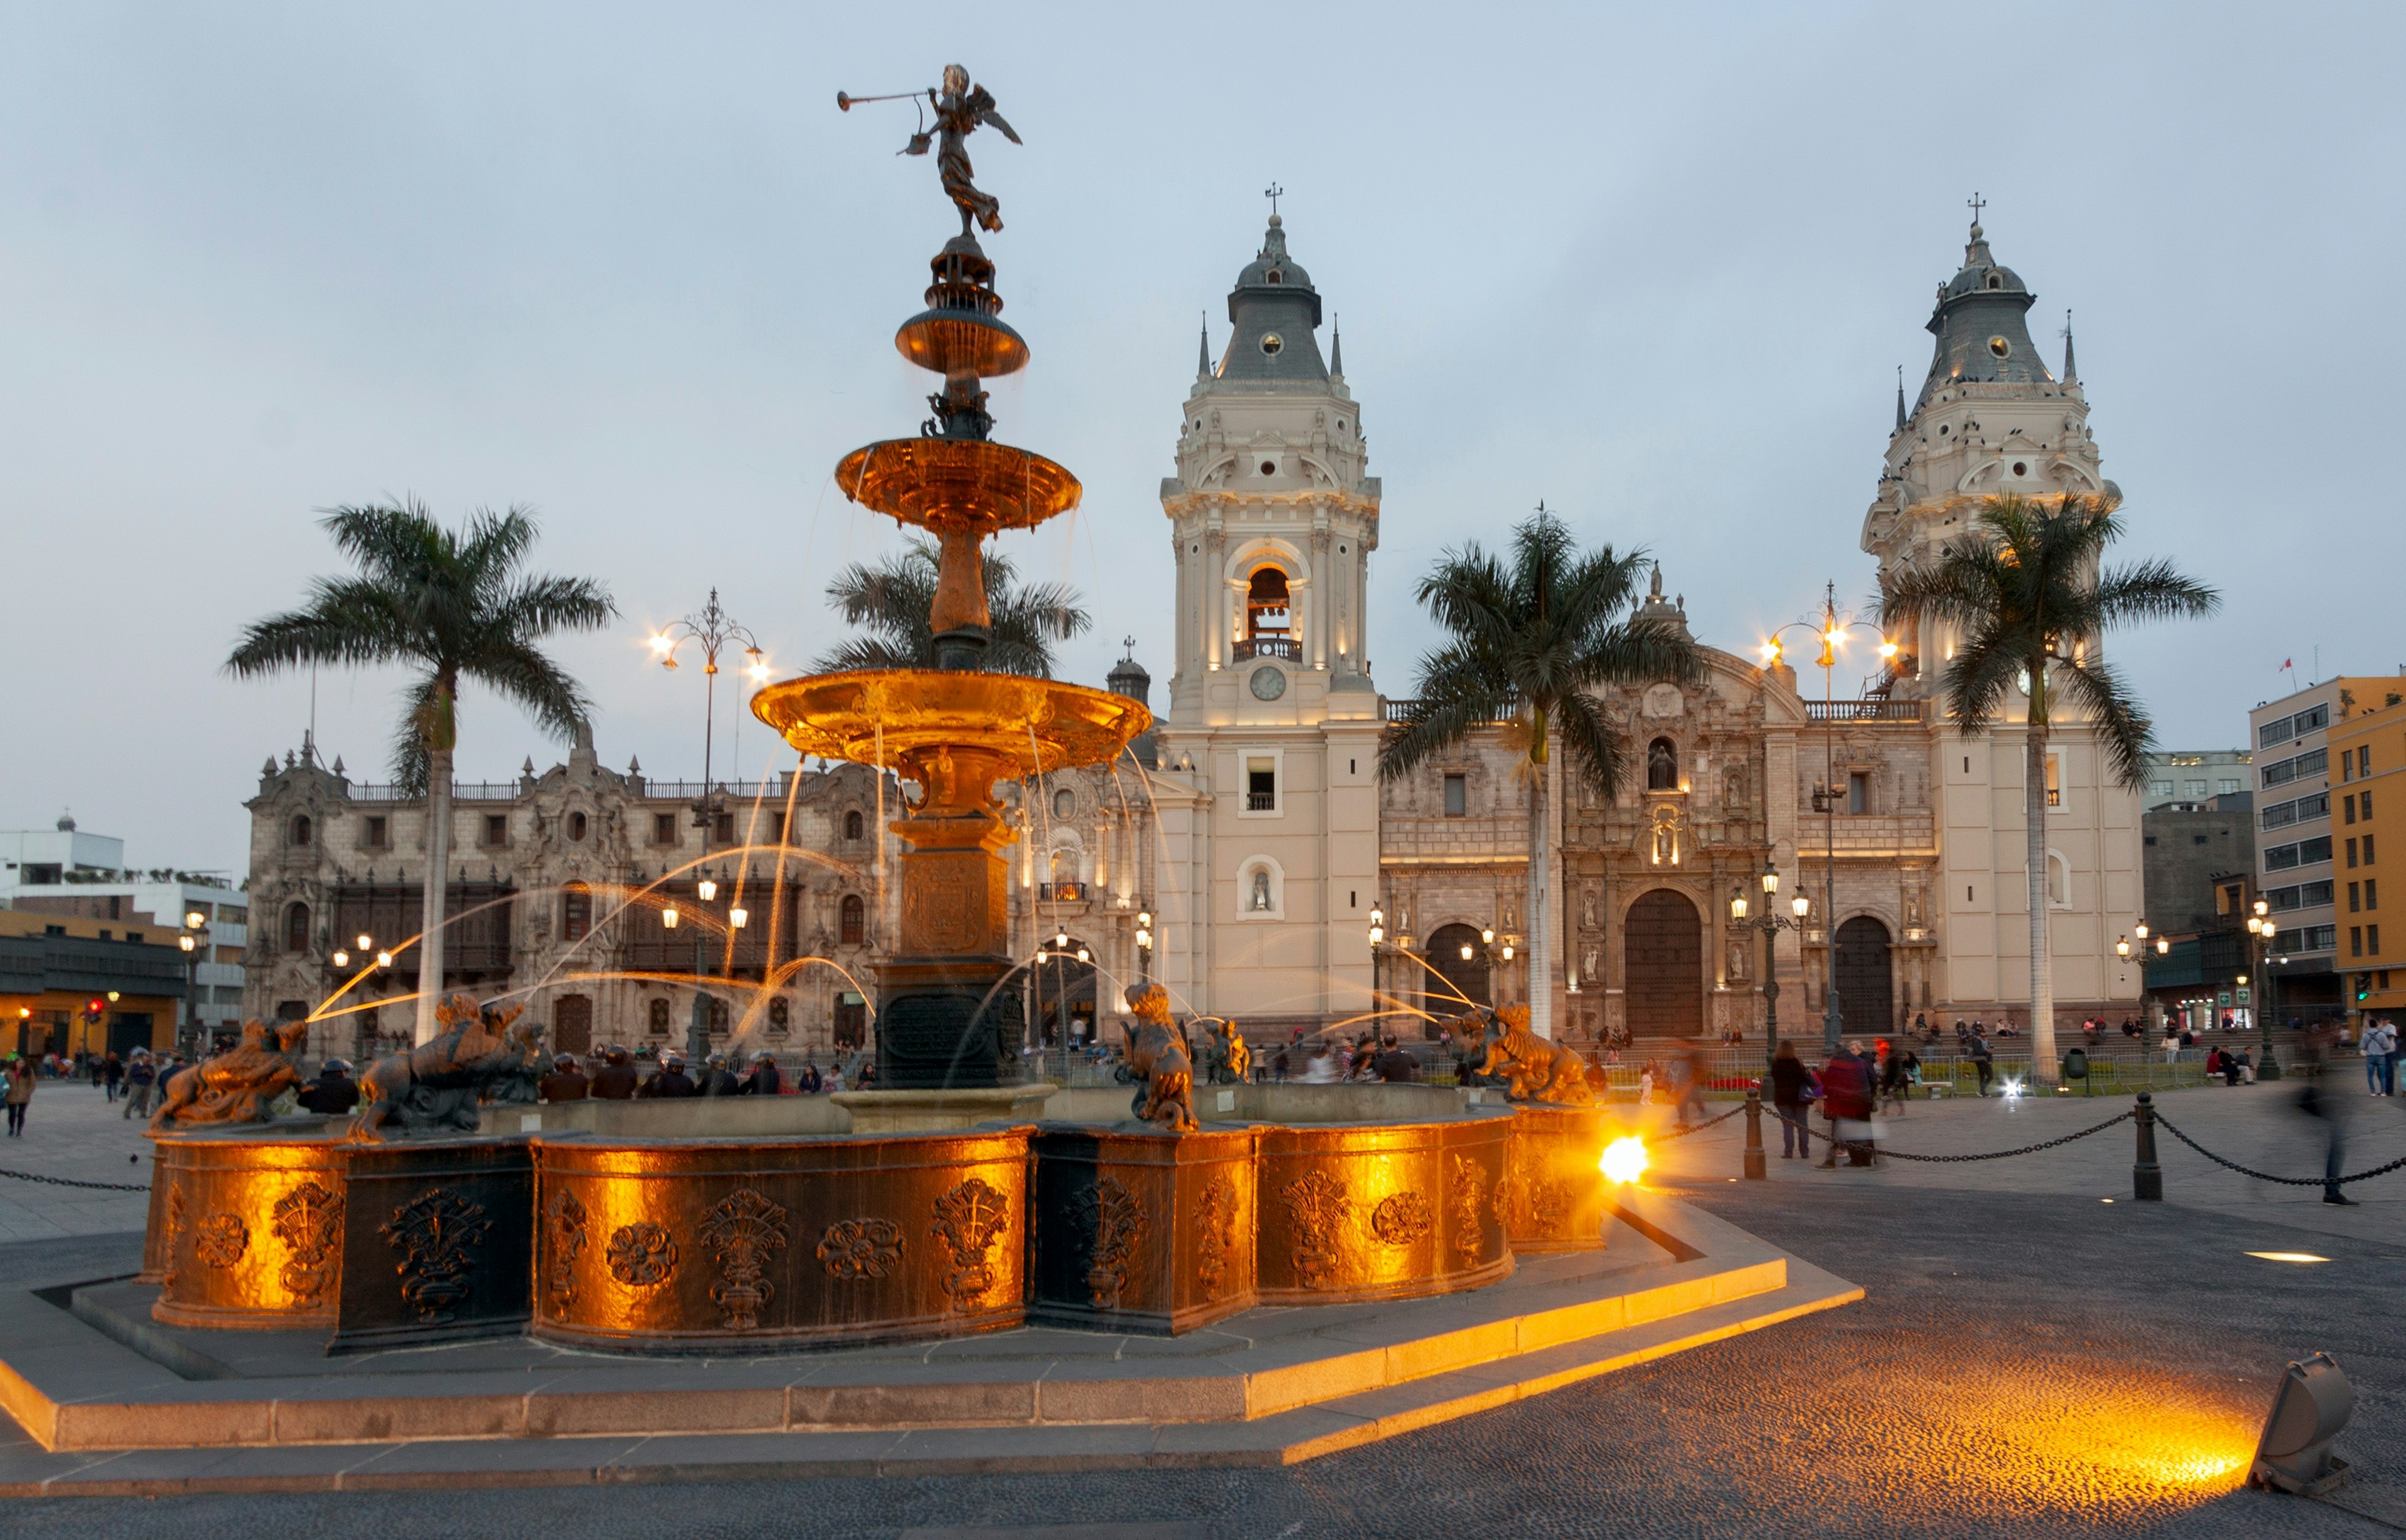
x,y
1273,720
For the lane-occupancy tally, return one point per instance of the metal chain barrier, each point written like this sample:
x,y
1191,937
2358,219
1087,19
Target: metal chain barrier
x,y
1693,1128
2165,1123
61,1182
1949,1160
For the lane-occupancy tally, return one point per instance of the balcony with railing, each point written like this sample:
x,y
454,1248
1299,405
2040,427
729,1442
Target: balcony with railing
x,y
1061,893
1251,647
1863,711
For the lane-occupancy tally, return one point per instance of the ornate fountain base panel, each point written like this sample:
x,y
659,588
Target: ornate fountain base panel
x,y
715,1245
1553,1198
287,1227
1144,1231
1266,1387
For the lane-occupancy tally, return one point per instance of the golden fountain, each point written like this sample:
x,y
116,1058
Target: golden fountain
x,y
948,1015
953,1199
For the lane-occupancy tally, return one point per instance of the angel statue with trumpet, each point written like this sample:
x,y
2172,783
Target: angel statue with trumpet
x,y
960,109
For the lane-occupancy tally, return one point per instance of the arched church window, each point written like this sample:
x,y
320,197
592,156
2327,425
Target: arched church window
x,y
301,830
296,928
852,925
1265,602
1662,766
851,826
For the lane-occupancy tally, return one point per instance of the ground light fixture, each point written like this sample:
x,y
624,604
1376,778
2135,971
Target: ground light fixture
x,y
2309,1410
2288,1256
1624,1159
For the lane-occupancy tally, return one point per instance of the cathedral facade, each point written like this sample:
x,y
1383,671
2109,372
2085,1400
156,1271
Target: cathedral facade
x,y
1906,834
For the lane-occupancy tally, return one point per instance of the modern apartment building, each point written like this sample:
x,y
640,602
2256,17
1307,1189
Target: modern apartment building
x,y
69,874
2296,870
2367,749
2192,775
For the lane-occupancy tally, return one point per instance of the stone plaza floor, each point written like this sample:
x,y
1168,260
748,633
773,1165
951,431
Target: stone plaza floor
x,y
2029,1361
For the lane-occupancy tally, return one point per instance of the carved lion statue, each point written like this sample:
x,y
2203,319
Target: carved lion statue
x,y
1157,1051
480,1055
1499,1045
239,1085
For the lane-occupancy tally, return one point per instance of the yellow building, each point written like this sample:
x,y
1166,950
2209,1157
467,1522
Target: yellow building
x,y
71,985
2368,782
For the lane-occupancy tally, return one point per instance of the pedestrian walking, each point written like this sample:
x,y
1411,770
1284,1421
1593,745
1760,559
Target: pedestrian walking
x,y
2330,1112
141,1075
21,1075
1792,1092
1847,1088
2381,1058
112,1075
1983,1061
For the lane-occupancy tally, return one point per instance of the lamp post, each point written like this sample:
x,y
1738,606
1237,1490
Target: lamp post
x,y
2264,930
712,629
1830,630
193,941
1769,923
1144,945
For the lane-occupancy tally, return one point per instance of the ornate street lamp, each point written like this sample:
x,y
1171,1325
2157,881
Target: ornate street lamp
x,y
1831,632
712,629
1769,923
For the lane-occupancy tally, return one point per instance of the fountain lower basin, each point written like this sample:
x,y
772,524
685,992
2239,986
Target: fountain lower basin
x,y
710,1226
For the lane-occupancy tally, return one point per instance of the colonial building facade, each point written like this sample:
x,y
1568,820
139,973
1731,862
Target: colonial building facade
x,y
1251,829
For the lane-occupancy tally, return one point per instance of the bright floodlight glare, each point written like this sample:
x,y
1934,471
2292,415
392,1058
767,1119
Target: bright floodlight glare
x,y
1624,1159
2013,1089
2288,1256
2309,1410
661,645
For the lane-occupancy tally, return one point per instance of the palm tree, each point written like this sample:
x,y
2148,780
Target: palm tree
x,y
1534,630
2026,599
893,598
451,605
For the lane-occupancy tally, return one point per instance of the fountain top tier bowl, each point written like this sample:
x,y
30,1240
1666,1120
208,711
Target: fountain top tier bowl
x,y
1017,726
971,486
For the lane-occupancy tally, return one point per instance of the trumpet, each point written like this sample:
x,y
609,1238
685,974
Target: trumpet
x,y
846,104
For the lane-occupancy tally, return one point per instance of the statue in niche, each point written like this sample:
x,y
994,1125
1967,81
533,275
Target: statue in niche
x,y
1587,964
1260,902
1733,787
1587,910
1913,908
1738,950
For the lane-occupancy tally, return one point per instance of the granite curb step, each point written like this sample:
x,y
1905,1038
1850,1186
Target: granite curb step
x,y
1282,1439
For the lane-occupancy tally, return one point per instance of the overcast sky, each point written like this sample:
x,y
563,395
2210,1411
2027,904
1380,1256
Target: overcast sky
x,y
628,265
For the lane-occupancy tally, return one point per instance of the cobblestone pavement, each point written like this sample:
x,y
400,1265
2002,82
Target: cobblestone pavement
x,y
73,1131
2028,1363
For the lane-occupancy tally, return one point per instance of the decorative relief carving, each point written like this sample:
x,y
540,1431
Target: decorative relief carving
x,y
861,1248
744,1232
220,1240
1507,1196
1316,1210
1469,1190
1550,1206
643,1254
436,1233
1219,1222
176,1205
967,1220
563,1219
1402,1219
309,1220
1111,1227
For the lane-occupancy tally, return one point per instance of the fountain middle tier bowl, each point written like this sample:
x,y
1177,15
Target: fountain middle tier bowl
x,y
970,484
1036,726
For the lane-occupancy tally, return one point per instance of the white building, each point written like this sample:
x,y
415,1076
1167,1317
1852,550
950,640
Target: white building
x,y
65,871
1268,792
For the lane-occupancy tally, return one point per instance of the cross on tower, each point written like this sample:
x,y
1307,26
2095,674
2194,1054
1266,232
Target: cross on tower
x,y
1274,192
1975,203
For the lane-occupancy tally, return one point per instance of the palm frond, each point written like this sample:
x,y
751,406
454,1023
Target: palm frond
x,y
2126,736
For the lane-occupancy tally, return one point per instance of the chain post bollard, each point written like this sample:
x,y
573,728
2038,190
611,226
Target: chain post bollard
x,y
1755,1170
2146,1176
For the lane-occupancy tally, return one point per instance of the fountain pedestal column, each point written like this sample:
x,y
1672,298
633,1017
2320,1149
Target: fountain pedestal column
x,y
948,1013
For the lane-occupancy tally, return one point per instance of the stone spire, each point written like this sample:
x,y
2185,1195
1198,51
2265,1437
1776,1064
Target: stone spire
x,y
1203,356
2071,374
1337,352
1274,316
1900,397
1983,337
